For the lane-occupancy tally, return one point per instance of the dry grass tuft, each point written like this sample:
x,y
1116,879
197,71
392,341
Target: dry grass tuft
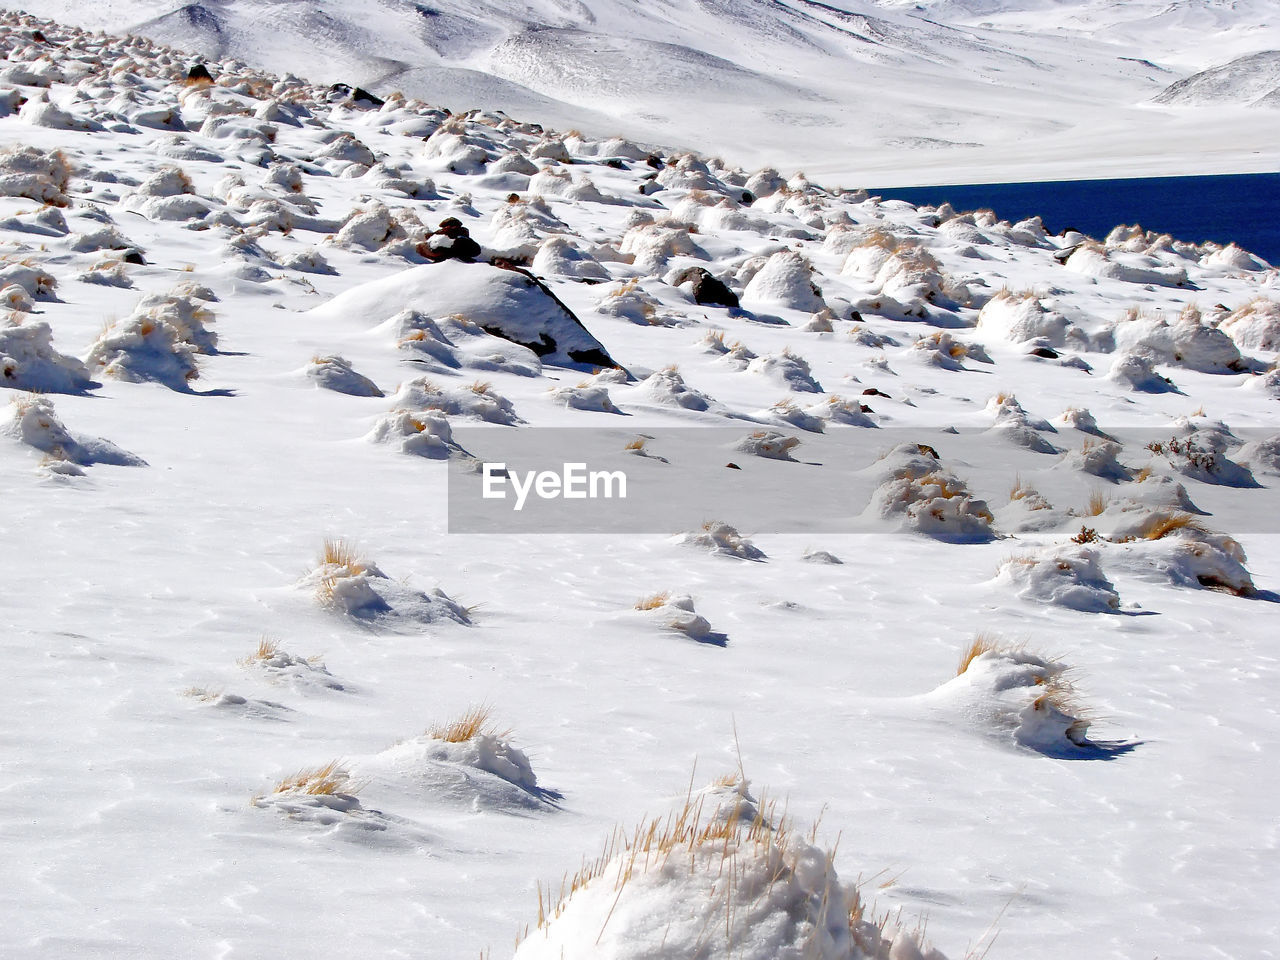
x,y
267,648
341,553
980,644
1020,489
1060,694
637,444
1163,524
330,780
476,721
654,601
1098,503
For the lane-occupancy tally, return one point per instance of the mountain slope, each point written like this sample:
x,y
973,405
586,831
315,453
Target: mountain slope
x,y
860,91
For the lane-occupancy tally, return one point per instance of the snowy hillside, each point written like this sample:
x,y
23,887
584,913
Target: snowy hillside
x,y
855,92
953,624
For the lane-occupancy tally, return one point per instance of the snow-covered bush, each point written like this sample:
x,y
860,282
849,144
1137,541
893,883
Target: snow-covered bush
x,y
722,876
29,362
1066,576
351,584
723,540
337,374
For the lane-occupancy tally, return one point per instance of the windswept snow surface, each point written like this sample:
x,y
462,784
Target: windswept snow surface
x,y
229,386
856,92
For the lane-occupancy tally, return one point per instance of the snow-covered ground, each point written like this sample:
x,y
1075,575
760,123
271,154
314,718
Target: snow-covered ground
x,y
238,629
853,92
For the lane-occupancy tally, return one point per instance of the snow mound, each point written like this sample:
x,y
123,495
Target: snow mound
x,y
630,301
651,246
1255,326
1177,548
278,666
924,497
1099,458
29,362
1020,317
325,797
560,258
417,432
940,349
36,424
144,348
768,444
787,368
1187,341
1201,455
719,878
1094,260
1015,694
587,395
677,613
477,401
351,585
667,387
35,174
467,763
787,413
504,303
722,540
1139,374
1065,576
337,374
38,284
1261,456
785,282
1014,424
1027,511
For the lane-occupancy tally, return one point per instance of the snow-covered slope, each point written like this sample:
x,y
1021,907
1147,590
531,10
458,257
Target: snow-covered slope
x,y
859,92
265,699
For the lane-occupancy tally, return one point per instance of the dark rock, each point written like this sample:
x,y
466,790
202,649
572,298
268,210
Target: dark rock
x,y
707,290
615,163
199,73
873,392
748,197
654,161
39,37
855,316
134,257
357,95
1045,353
732,466
450,241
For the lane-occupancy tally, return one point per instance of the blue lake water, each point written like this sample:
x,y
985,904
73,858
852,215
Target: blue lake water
x,y
1244,208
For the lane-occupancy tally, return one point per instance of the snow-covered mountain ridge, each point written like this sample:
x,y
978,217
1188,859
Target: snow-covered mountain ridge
x,y
266,701
858,93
